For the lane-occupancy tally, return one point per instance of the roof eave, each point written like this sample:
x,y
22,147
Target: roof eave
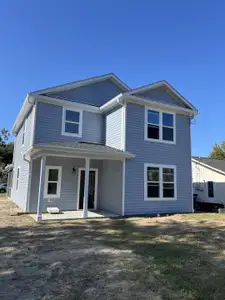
x,y
38,148
27,104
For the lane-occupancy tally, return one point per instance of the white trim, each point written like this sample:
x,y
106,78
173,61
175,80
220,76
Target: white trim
x,y
84,82
160,140
96,187
17,178
33,124
207,166
29,186
159,84
80,123
161,167
146,102
67,103
59,182
123,127
123,187
80,152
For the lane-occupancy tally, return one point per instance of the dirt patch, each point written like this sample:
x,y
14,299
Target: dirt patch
x,y
175,257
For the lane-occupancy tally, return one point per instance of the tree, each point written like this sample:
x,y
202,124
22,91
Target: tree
x,y
218,151
4,136
6,153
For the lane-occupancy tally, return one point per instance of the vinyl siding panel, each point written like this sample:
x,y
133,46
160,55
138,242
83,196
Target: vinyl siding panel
x,y
200,176
113,128
20,196
69,186
161,95
49,126
94,94
112,186
158,153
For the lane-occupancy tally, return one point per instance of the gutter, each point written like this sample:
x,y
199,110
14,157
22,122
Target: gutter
x,y
120,99
75,151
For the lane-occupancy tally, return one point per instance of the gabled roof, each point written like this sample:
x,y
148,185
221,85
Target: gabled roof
x,y
215,164
79,83
162,83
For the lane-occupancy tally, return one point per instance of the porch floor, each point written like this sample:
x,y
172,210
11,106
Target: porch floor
x,y
76,214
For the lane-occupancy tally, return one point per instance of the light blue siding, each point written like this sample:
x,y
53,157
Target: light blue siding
x,y
162,95
69,187
49,126
20,196
158,153
113,128
112,186
94,94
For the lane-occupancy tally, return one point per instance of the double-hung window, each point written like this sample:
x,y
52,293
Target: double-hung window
x,y
53,179
72,122
160,126
160,182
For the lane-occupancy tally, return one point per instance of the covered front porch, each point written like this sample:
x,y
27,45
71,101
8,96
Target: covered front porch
x,y
82,180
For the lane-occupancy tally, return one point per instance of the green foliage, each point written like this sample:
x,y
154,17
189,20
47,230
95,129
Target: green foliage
x,y
218,151
6,153
4,136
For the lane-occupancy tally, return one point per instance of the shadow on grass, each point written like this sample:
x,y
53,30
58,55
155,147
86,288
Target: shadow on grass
x,y
113,259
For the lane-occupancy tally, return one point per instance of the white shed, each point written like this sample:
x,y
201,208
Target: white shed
x,y
208,178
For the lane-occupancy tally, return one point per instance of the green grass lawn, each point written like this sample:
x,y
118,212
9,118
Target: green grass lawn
x,y
176,257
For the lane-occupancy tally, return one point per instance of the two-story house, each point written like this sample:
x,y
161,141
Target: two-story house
x,y
96,144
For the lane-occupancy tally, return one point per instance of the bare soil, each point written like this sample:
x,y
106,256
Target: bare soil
x,y
175,257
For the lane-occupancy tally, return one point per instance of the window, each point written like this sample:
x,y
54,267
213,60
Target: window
x,y
72,122
160,126
53,178
24,131
160,182
210,189
17,178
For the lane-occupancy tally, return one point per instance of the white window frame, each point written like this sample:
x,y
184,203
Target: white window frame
x,y
160,140
17,178
24,132
59,182
161,167
80,123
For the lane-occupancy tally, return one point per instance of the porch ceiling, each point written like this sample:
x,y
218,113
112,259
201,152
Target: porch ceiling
x,y
81,149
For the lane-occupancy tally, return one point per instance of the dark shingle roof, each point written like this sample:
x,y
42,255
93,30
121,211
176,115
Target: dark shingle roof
x,y
211,162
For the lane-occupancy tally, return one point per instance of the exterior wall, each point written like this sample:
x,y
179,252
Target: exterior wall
x,y
49,126
69,188
94,94
158,153
112,186
20,196
161,95
200,176
113,128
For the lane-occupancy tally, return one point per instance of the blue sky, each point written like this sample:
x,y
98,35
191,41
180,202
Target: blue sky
x,y
46,43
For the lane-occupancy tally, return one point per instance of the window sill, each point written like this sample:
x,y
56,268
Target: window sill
x,y
51,196
160,199
72,134
160,141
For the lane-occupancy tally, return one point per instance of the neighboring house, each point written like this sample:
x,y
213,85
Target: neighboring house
x,y
97,144
208,177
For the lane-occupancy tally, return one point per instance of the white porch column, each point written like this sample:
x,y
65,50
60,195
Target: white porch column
x,y
86,186
41,188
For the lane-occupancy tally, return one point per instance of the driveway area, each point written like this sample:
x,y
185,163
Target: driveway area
x,y
176,257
